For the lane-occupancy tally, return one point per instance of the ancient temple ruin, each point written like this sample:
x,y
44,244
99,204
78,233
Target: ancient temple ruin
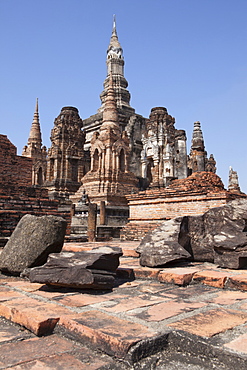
x,y
115,155
157,152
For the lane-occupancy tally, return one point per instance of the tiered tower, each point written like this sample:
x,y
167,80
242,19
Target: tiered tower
x,y
115,67
65,166
128,120
35,150
109,178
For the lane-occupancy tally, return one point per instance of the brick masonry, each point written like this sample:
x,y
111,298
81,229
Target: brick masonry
x,y
192,196
15,171
17,196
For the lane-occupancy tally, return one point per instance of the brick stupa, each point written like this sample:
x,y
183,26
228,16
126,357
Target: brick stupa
x,y
109,178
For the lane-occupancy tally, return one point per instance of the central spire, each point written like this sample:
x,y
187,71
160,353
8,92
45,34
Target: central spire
x,y
114,49
114,30
115,66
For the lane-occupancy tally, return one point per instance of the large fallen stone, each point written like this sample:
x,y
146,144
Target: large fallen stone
x,y
93,269
33,239
161,246
219,236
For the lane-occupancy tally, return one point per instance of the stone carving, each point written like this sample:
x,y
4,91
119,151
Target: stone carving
x,y
65,162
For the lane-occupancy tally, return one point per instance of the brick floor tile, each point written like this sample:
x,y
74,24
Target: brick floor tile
x,y
49,292
239,344
162,311
146,272
27,350
133,302
39,317
108,333
179,276
6,294
75,248
128,284
153,287
80,300
228,297
26,286
5,279
238,282
211,277
212,322
243,306
9,332
192,291
130,252
131,262
58,362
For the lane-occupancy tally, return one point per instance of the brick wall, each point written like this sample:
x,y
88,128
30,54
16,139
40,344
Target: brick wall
x,y
14,170
12,208
192,196
17,196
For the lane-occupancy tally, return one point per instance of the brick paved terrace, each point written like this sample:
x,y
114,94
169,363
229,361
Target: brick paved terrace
x,y
187,316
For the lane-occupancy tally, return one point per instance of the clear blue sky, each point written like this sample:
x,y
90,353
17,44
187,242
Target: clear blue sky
x,y
189,56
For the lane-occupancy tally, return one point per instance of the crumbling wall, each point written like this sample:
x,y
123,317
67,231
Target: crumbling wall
x,y
191,196
15,171
17,196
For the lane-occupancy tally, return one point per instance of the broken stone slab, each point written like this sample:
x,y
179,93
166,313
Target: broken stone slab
x,y
33,239
234,260
219,235
93,269
161,246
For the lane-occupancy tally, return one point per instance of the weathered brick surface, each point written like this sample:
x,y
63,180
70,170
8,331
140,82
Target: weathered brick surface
x,y
14,170
239,344
211,322
168,308
125,322
191,196
34,348
211,277
17,196
13,207
113,335
179,276
238,281
37,316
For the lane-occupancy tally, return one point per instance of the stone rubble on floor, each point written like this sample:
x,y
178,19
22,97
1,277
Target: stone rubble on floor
x,y
149,312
